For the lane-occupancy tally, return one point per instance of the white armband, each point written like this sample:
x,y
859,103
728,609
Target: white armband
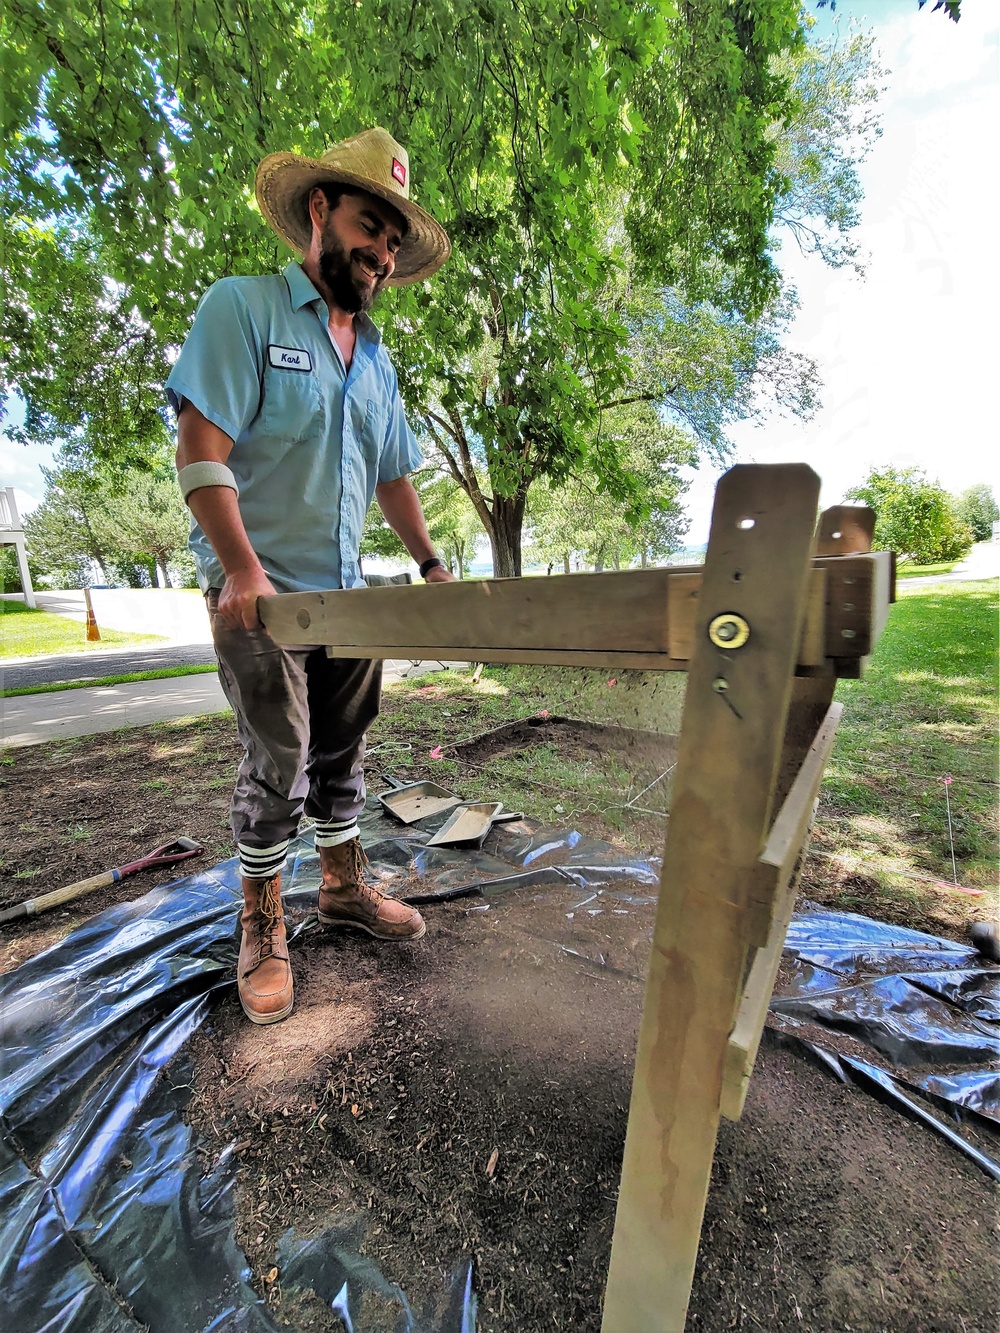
x,y
198,475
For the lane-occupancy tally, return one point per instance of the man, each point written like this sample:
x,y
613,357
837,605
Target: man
x,y
289,421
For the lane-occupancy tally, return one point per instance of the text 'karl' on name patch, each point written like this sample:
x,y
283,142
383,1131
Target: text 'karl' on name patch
x,y
289,358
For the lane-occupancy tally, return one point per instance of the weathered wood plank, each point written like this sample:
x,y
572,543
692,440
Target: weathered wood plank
x,y
682,601
845,530
774,886
859,591
729,756
597,613
788,833
642,619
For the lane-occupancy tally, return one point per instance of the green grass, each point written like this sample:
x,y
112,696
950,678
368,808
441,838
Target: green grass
x,y
589,789
32,633
906,571
925,711
161,673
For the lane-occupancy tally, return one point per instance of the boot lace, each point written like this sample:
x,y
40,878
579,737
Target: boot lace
x,y
354,873
358,862
267,919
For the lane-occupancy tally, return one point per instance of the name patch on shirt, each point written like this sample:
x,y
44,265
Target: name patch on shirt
x,y
289,358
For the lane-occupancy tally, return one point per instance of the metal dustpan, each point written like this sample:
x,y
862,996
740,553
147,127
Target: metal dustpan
x,y
416,800
469,824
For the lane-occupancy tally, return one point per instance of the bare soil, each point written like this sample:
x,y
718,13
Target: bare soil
x,y
466,1096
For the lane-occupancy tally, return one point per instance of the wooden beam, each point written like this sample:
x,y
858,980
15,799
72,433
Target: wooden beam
x,y
641,619
845,530
773,888
788,834
859,592
737,700
682,600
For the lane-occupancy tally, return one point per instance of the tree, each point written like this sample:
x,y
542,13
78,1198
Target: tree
x,y
451,523
837,85
977,508
62,533
577,520
72,344
122,524
147,520
530,131
914,517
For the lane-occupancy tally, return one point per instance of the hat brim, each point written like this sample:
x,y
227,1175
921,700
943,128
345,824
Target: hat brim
x,y
282,186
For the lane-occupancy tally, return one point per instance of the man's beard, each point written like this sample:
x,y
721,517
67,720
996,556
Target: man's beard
x,y
350,294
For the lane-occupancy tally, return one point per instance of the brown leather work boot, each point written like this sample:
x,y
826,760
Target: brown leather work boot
x,y
263,973
346,900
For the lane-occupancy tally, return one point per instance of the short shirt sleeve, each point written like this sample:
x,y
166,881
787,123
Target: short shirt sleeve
x,y
220,366
400,453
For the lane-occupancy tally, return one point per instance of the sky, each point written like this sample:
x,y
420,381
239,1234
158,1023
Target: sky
x,y
907,355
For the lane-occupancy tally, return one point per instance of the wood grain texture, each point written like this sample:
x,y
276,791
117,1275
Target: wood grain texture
x,y
845,530
639,619
757,566
774,886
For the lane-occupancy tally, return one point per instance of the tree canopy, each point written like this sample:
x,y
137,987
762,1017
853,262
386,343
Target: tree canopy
x,y
609,174
132,527
977,507
915,517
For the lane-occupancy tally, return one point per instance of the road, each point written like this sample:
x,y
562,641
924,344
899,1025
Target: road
x,y
69,667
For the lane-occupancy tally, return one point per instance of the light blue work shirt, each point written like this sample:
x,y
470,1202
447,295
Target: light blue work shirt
x,y
309,442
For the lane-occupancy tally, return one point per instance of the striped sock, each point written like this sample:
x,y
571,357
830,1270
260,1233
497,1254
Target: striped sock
x,y
332,832
262,862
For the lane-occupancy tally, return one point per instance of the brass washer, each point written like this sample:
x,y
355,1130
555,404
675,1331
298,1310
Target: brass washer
x,y
728,630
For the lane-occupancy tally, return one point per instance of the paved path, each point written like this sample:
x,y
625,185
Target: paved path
x,y
34,719
982,562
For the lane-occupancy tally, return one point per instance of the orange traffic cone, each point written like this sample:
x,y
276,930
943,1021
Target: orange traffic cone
x,y
93,633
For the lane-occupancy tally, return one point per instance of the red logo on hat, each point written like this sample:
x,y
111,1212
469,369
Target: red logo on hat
x,y
399,171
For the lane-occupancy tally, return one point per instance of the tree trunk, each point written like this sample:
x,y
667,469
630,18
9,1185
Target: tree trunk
x,y
505,538
645,563
460,557
161,566
566,566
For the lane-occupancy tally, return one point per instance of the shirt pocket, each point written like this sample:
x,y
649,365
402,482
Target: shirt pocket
x,y
292,409
371,429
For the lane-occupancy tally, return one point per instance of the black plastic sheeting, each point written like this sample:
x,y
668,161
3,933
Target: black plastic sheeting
x,y
926,1007
109,1221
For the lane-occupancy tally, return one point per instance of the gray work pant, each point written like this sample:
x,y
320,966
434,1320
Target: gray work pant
x,y
302,718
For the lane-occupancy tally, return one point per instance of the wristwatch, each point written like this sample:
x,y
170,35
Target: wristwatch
x,y
433,563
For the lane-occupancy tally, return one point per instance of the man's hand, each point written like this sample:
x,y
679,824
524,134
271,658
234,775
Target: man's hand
x,y
238,598
439,574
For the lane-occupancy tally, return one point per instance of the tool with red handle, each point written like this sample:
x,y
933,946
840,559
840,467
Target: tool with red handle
x,y
167,855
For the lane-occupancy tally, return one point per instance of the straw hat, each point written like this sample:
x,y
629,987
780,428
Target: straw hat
x,y
372,161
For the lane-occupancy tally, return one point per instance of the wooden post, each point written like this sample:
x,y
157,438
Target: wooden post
x,y
756,579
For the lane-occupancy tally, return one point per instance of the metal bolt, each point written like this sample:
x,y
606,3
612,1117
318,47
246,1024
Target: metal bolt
x,y
720,685
303,619
728,630
848,634
848,606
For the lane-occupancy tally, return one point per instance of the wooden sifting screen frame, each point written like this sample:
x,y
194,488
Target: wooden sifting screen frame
x,y
781,609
